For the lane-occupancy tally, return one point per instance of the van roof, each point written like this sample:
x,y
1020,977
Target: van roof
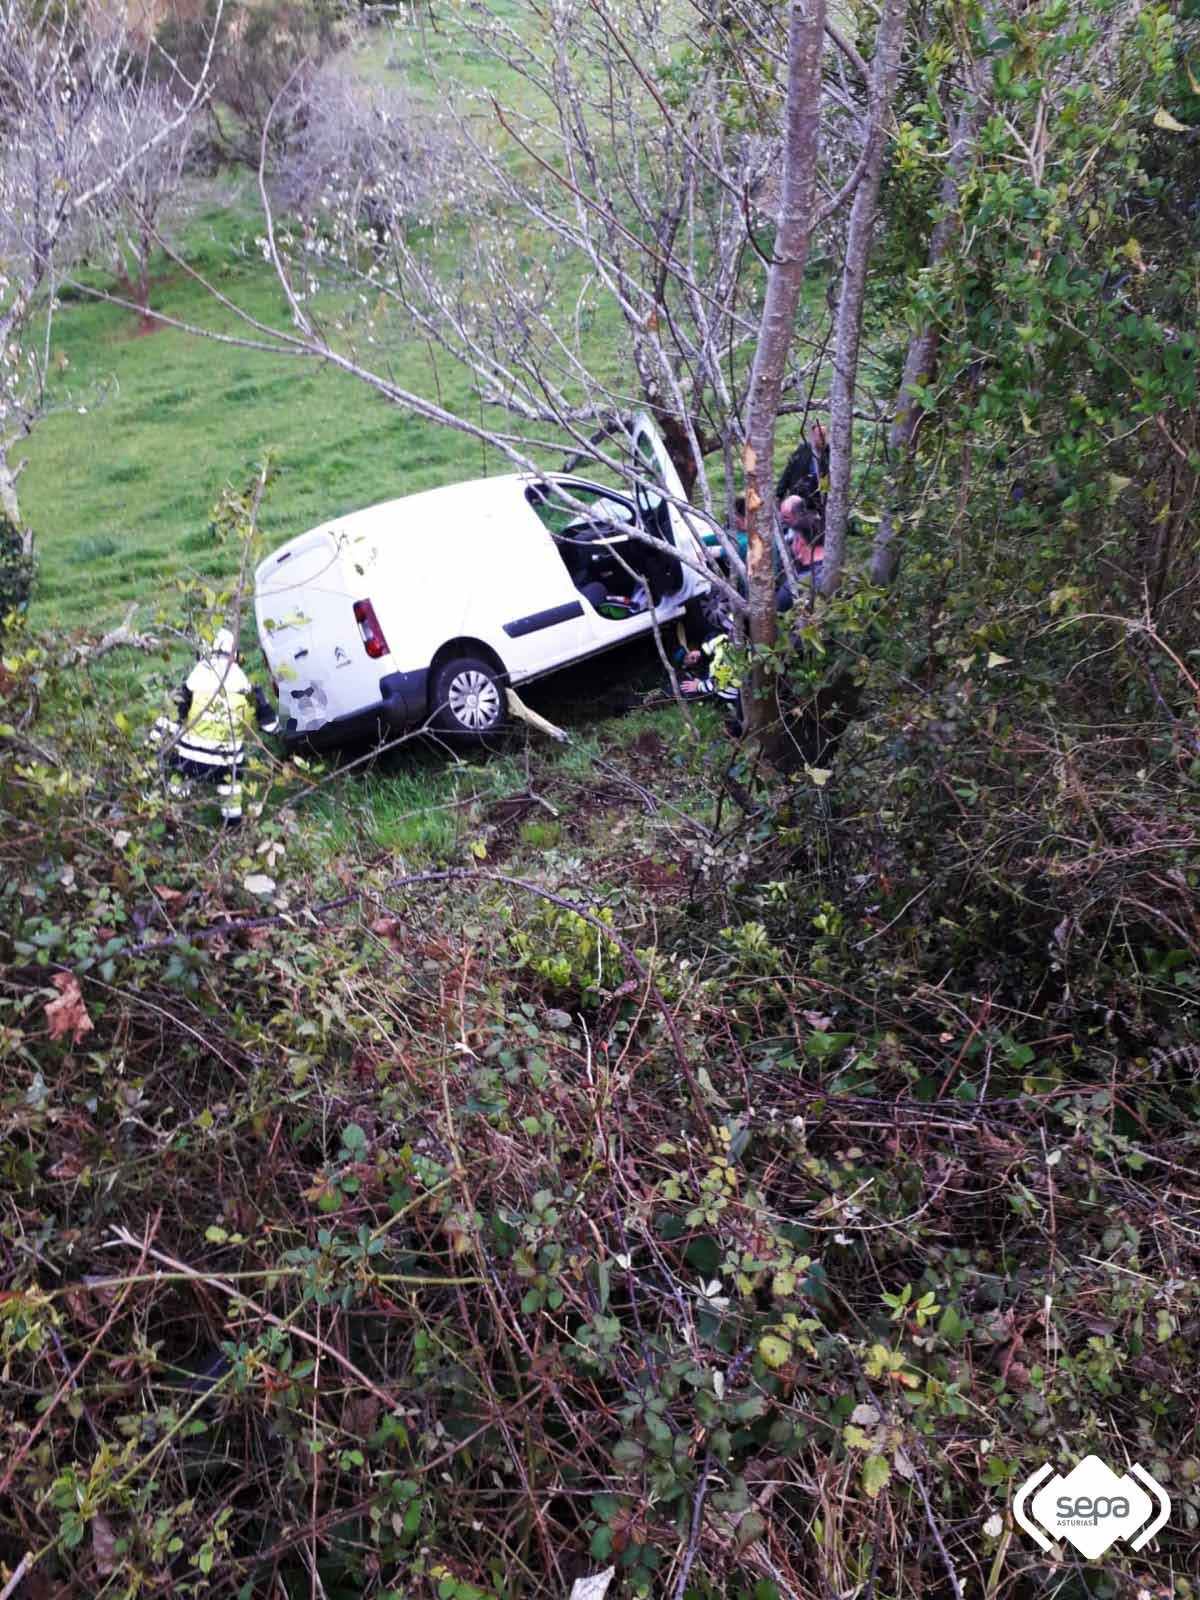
x,y
450,501
459,501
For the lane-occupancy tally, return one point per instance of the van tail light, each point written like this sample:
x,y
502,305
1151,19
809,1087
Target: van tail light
x,y
368,626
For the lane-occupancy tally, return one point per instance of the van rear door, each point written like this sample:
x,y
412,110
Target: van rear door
x,y
318,631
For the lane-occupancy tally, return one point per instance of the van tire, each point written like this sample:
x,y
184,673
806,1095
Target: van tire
x,y
468,699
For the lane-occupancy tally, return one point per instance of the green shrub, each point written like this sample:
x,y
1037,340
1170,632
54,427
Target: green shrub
x,y
16,569
567,952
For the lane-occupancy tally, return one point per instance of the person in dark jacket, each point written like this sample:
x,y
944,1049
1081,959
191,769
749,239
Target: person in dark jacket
x,y
806,472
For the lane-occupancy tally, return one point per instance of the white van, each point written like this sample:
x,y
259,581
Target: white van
x,y
424,608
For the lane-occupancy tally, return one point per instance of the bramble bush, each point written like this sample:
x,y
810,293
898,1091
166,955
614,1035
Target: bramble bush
x,y
16,570
386,1228
340,1240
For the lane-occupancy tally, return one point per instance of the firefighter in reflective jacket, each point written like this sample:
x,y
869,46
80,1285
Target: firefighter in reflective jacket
x,y
704,641
218,706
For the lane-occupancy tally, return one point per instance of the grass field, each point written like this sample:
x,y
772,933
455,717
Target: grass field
x,y
526,797
147,429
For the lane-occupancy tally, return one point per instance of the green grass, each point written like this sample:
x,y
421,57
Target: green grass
x,y
147,430
413,804
416,808
432,53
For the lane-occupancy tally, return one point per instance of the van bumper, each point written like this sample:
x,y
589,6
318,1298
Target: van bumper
x,y
404,697
402,704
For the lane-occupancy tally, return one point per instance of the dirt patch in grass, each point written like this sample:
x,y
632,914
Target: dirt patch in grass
x,y
648,746
667,879
507,820
562,809
512,809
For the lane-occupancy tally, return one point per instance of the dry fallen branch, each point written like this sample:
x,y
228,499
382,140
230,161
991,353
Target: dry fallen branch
x,y
243,1301
118,638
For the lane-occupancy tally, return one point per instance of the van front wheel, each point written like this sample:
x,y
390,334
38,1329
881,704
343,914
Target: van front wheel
x,y
468,698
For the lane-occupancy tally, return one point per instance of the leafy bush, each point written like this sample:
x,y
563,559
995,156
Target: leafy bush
x,y
258,52
567,952
353,1240
16,569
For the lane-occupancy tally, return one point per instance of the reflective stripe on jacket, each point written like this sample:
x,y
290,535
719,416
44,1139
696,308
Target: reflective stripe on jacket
x,y
726,681
221,711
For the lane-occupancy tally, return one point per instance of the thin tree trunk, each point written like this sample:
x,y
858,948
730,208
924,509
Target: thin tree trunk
x,y
145,251
16,542
785,276
885,70
920,364
10,507
10,328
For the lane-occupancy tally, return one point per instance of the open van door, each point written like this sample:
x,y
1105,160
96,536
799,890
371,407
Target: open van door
x,y
665,520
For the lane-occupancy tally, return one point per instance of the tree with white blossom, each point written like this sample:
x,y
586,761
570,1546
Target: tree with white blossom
x,y
83,132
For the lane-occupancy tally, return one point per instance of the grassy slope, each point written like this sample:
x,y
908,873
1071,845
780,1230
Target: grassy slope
x,y
121,496
147,429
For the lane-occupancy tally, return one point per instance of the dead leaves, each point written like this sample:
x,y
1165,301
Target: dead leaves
x,y
104,1545
388,928
67,1166
360,1416
68,1015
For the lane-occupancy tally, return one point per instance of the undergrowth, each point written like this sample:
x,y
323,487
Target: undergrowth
x,y
741,1172
749,1195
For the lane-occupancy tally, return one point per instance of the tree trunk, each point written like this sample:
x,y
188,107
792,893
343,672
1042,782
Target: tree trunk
x,y
10,507
885,70
785,276
11,321
678,446
921,362
145,251
16,544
